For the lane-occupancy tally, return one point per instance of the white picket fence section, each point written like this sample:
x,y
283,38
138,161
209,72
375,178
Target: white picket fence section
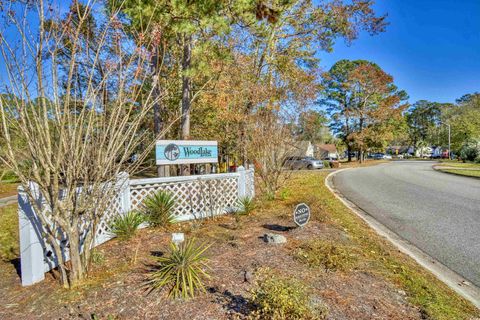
x,y
196,197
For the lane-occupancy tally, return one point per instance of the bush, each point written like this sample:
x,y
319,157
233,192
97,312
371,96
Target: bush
x,y
470,151
245,205
326,164
181,271
331,256
125,226
98,257
275,297
158,209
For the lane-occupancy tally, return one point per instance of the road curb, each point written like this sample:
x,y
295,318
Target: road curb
x,y
452,279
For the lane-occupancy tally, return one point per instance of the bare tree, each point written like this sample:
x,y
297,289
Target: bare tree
x,y
74,155
270,143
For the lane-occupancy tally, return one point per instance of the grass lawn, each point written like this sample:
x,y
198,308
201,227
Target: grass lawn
x,y
8,189
463,169
463,172
8,232
344,264
466,165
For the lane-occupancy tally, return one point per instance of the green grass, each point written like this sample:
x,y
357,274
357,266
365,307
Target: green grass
x,y
466,165
435,299
8,232
463,172
8,189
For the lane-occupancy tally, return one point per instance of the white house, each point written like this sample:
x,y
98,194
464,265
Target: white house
x,y
326,151
303,149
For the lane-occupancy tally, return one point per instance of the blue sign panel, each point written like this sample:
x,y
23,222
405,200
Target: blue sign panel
x,y
186,151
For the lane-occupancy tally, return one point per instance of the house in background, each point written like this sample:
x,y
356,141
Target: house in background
x,y
326,151
424,152
303,149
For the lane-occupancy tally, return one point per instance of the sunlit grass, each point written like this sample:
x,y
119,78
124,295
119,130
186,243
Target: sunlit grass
x,y
468,173
467,165
8,232
435,299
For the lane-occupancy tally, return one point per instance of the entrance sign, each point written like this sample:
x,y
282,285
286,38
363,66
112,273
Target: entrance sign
x,y
301,214
185,151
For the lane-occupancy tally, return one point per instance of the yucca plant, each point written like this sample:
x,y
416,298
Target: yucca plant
x,y
182,271
158,209
245,205
125,226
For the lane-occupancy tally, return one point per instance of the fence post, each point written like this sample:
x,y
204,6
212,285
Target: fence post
x,y
123,184
32,263
251,187
242,182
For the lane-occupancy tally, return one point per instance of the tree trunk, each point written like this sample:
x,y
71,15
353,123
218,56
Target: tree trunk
x,y
349,152
158,108
77,267
186,93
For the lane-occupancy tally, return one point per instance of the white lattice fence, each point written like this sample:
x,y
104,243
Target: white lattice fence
x,y
37,255
196,197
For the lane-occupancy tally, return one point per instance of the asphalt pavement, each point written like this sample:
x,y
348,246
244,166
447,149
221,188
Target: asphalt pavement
x,y
437,212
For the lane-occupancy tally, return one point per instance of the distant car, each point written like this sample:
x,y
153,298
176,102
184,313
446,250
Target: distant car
x,y
378,156
297,163
330,159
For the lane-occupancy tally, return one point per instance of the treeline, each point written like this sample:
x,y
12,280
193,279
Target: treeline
x,y
427,125
222,66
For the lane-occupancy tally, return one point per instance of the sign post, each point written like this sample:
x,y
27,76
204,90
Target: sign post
x,y
168,152
301,214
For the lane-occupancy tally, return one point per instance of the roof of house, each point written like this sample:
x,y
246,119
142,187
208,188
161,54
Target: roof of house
x,y
327,147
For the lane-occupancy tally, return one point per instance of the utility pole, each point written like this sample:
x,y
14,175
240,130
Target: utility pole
x,y
449,143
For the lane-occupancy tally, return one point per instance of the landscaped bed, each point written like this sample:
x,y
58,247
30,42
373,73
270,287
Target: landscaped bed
x,y
341,265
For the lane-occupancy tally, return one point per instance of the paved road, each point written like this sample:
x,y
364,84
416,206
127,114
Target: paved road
x,y
437,212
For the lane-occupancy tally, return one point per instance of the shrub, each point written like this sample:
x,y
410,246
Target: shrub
x,y
285,193
158,209
470,151
326,164
245,205
125,226
276,297
182,271
98,257
331,256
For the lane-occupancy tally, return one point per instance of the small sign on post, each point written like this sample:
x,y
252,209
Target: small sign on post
x,y
301,214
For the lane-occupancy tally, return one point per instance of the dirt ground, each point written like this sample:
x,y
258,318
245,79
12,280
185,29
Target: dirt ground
x,y
120,291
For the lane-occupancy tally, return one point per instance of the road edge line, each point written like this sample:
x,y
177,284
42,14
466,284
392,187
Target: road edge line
x,y
456,282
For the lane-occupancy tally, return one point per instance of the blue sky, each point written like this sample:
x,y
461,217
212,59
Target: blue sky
x,y
431,47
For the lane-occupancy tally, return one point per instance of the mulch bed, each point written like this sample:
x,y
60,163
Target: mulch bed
x,y
117,289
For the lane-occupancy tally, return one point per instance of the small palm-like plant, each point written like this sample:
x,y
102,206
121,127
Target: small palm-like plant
x,y
182,271
125,226
245,205
158,209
